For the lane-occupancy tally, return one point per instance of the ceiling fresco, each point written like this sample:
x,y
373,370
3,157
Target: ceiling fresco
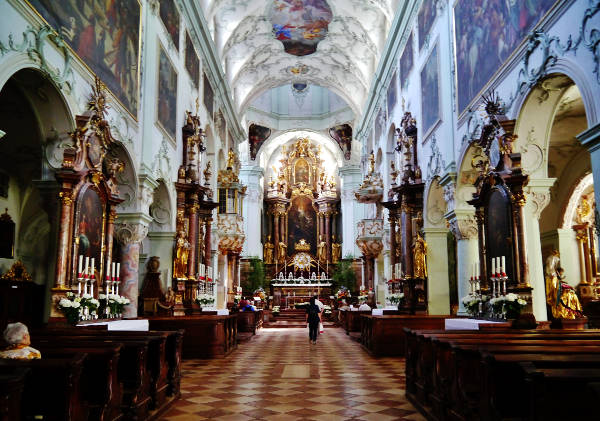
x,y
264,44
300,24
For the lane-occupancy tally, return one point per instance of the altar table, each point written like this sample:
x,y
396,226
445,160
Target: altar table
x,y
465,324
134,324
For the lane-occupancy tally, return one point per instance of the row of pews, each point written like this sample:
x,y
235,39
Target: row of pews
x,y
504,374
93,374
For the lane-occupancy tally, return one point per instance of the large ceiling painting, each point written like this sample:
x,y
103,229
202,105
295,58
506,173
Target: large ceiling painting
x,y
486,35
300,24
106,35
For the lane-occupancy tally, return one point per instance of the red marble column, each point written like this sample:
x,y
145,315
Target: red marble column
x,y
328,234
110,233
207,242
282,229
276,235
64,234
130,236
193,239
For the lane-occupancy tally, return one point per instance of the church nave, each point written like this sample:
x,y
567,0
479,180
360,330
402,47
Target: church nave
x,y
278,375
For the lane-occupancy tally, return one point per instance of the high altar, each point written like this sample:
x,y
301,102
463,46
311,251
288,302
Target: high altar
x,y
301,229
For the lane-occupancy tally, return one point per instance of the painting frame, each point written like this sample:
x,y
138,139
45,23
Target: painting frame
x,y
130,105
407,61
194,64
392,93
169,29
463,105
425,22
430,124
172,136
209,103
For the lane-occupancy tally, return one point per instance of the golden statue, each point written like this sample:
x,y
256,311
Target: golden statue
x,y
282,252
420,257
560,296
230,159
336,251
182,251
371,163
268,251
321,250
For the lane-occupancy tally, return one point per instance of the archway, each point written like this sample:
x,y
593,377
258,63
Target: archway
x,y
552,116
35,121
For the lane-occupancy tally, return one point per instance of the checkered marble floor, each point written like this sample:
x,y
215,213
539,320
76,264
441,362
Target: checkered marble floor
x,y
279,375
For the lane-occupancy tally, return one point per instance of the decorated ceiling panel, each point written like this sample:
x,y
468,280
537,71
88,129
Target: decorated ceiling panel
x,y
268,43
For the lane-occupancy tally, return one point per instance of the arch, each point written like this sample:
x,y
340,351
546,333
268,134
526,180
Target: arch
x,y
435,205
582,188
160,209
466,176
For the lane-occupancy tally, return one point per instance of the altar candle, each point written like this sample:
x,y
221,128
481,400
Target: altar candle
x,y
493,266
118,271
503,265
80,264
113,272
79,288
93,267
498,266
108,271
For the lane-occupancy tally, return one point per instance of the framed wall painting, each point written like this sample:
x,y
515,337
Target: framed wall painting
x,y
392,93
208,97
430,92
486,36
107,39
426,18
169,15
192,62
406,59
166,107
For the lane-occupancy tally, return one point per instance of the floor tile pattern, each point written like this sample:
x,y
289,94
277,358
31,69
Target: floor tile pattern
x,y
263,380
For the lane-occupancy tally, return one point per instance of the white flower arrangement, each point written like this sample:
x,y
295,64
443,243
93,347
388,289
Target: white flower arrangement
x,y
205,299
237,297
509,305
471,303
396,298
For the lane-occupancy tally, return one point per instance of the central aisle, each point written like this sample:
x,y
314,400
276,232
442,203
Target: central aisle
x,y
278,375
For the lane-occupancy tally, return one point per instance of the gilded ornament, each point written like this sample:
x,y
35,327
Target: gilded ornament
x,y
17,272
66,198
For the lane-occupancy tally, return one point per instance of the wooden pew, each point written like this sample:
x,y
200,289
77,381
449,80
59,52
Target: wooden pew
x,y
352,321
132,368
99,381
52,388
204,336
11,389
249,321
385,335
446,375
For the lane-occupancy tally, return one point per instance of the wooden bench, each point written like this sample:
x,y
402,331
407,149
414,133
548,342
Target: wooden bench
x,y
385,335
463,375
11,389
132,367
204,336
52,388
249,321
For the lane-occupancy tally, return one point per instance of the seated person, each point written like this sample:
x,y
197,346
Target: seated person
x,y
17,337
243,303
364,307
344,305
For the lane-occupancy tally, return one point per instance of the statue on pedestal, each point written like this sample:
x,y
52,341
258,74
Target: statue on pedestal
x,y
321,250
419,258
560,296
282,252
336,251
182,251
268,251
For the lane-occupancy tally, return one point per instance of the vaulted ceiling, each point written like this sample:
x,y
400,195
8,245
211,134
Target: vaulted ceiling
x,y
250,36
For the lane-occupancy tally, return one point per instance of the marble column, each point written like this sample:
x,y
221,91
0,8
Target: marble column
x,y
438,288
590,139
129,236
207,241
64,235
251,176
276,233
538,197
350,179
193,239
393,245
464,228
328,235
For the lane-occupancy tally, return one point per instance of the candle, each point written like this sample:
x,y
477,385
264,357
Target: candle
x,y
493,266
80,264
93,267
92,288
87,264
79,288
503,265
107,271
498,265
118,271
113,272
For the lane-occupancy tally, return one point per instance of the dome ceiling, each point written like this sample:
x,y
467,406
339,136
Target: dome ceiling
x,y
268,43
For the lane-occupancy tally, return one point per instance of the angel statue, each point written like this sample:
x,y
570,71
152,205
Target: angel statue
x,y
560,296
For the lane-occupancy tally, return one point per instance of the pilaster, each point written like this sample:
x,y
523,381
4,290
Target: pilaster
x,y
352,211
251,175
437,268
538,197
